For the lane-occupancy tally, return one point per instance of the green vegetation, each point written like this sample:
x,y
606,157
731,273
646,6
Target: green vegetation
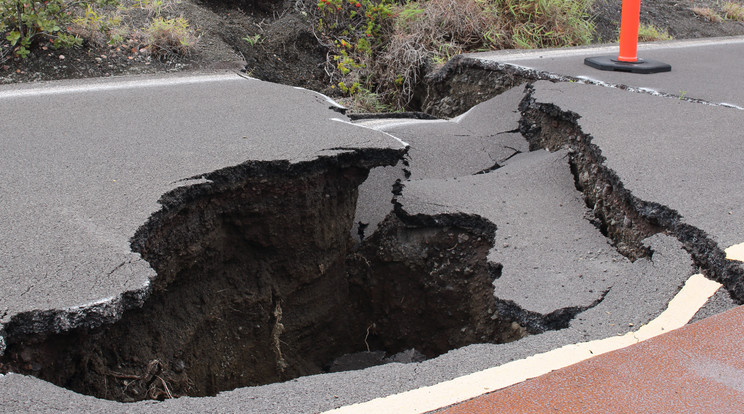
x,y
708,14
167,37
651,33
27,24
733,10
380,49
253,40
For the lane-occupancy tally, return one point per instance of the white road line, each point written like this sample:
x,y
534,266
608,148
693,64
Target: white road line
x,y
693,295
511,55
107,85
405,144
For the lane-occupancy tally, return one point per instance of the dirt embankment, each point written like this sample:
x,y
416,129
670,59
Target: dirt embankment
x,y
275,41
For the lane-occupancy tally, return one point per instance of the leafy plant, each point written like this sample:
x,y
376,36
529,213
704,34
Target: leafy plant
x,y
253,40
69,23
99,27
26,22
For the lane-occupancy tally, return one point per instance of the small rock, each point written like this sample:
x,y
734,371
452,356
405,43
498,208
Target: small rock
x,y
406,357
26,355
627,222
61,57
179,366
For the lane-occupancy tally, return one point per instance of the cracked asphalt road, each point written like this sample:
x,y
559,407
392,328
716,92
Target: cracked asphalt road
x,y
65,236
89,172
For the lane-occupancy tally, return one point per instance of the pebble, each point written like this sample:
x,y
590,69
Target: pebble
x,y
61,57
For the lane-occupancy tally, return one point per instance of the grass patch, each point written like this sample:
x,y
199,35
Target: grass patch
x,y
707,14
733,10
651,33
168,37
28,24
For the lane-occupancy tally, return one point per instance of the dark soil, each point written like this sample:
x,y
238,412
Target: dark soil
x,y
287,50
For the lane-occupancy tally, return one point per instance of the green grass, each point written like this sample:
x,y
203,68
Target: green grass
x,y
71,23
708,14
733,10
651,33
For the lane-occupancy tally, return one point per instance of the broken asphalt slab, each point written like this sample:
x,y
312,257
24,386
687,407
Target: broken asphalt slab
x,y
688,160
683,170
475,142
544,241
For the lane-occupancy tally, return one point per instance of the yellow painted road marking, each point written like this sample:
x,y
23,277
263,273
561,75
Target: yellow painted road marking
x,y
688,301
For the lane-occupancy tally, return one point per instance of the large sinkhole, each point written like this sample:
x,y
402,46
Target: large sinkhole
x,y
259,281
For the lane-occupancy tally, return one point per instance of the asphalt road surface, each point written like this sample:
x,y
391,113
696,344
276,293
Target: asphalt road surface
x,y
81,180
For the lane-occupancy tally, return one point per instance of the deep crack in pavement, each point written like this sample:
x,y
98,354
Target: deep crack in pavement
x,y
519,226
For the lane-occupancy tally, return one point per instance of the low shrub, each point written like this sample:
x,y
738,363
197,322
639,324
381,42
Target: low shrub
x,y
708,14
26,23
67,23
383,47
733,10
168,37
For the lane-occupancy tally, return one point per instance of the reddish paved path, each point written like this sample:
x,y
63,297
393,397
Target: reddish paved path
x,y
696,369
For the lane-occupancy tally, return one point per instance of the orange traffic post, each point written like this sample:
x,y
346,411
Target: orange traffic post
x,y
629,21
627,60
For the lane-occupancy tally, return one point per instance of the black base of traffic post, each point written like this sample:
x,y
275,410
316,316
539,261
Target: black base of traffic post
x,y
641,66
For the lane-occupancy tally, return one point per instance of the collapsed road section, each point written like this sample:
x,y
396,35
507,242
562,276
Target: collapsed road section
x,y
677,180
255,277
257,283
251,276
